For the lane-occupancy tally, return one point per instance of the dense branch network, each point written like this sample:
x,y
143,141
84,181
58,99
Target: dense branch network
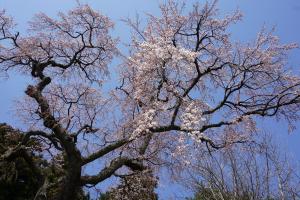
x,y
184,79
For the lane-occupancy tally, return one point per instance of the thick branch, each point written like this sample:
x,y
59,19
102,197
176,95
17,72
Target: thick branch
x,y
104,151
111,169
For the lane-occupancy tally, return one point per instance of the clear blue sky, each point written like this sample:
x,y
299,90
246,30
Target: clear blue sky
x,y
284,14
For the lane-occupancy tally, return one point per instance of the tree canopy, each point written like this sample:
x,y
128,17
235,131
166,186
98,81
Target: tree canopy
x,y
184,86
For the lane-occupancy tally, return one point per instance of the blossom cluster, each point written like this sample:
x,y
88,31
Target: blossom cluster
x,y
144,122
192,118
162,50
157,59
139,185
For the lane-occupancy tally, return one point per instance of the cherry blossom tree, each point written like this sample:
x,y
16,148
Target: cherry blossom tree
x,y
184,85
